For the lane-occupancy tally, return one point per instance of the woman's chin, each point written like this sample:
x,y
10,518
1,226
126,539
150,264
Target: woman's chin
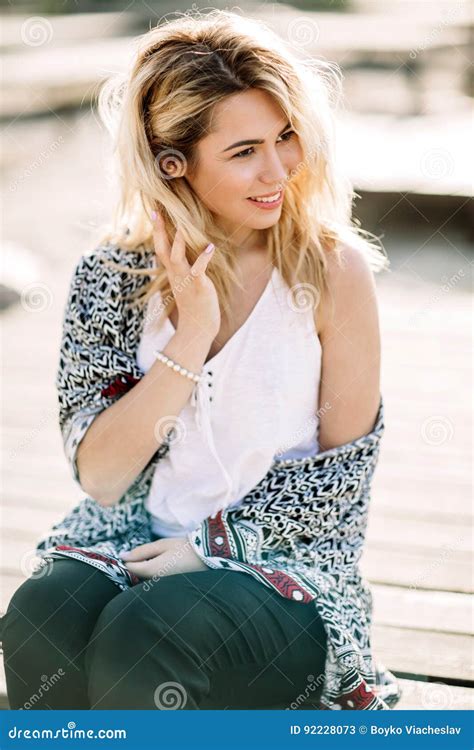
x,y
265,222
263,219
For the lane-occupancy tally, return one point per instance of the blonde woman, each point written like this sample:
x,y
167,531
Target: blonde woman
x,y
220,360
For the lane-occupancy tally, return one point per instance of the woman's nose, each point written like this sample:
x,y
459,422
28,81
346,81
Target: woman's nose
x,y
274,172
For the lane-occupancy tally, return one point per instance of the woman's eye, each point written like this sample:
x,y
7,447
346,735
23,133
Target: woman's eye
x,y
242,154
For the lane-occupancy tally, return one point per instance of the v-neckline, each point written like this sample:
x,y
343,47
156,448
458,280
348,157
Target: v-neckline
x,y
241,328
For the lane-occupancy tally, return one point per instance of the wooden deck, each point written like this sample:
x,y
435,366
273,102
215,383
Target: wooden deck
x,y
419,540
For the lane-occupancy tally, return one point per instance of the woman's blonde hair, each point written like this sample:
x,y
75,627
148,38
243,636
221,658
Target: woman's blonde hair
x,y
158,113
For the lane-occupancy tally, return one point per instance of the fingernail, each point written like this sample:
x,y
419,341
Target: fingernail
x,y
209,248
153,215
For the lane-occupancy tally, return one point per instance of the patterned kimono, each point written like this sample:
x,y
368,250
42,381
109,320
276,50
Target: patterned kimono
x,y
300,531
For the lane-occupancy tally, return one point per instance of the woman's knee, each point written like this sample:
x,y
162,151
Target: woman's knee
x,y
51,603
145,614
137,640
165,601
123,619
29,608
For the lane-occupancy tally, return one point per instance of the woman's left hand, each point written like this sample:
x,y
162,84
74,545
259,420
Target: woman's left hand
x,y
163,557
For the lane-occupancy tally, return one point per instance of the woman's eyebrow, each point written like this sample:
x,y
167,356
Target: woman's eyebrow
x,y
252,142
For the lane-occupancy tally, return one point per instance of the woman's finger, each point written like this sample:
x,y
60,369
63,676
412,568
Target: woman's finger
x,y
144,551
202,261
142,569
178,253
162,565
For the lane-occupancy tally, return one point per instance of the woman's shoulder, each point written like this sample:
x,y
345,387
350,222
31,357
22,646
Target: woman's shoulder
x,y
350,278
347,262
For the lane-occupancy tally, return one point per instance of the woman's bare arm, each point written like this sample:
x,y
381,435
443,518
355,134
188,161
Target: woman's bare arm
x,y
350,340
122,439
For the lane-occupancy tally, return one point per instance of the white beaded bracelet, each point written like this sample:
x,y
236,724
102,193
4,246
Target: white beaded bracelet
x,y
175,366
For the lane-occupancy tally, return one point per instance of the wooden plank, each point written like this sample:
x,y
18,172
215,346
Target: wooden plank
x,y
4,705
61,501
446,570
432,506
431,472
30,416
426,455
434,696
422,494
419,695
416,535
10,583
440,655
35,466
427,459
383,512
45,435
19,524
18,556
388,471
437,611
54,485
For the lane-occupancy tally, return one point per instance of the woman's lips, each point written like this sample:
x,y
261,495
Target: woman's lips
x,y
268,206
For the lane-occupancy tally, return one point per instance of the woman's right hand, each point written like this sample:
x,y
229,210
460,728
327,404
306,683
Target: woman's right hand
x,y
195,294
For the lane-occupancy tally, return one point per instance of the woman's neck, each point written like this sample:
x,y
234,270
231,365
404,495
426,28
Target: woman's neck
x,y
246,242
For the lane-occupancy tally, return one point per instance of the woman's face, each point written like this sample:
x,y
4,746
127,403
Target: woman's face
x,y
228,176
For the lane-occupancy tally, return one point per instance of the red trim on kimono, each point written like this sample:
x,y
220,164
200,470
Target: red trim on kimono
x,y
100,557
118,386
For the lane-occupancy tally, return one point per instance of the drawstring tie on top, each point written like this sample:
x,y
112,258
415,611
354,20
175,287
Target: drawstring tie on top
x,y
202,417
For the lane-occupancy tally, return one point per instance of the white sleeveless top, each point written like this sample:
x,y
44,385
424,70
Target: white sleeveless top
x,y
257,402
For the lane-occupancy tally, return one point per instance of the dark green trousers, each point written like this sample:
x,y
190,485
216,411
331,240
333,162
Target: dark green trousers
x,y
214,639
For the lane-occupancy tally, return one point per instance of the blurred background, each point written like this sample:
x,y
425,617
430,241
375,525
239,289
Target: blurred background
x,y
405,134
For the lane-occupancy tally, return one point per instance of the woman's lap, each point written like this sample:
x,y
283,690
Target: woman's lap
x,y
246,641
211,639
